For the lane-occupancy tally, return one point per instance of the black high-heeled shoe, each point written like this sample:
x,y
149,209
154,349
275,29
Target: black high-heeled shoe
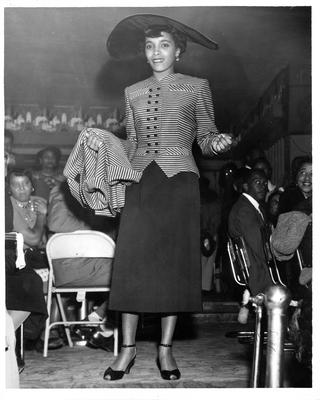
x,y
169,375
115,375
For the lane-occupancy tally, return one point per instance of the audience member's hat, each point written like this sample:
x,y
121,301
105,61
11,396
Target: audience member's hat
x,y
288,233
124,40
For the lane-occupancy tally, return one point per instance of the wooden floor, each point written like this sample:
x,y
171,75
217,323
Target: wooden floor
x,y
206,359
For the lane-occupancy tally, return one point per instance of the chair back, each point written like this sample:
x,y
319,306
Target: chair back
x,y
78,244
239,260
275,275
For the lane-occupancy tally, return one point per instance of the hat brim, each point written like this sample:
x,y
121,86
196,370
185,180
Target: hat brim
x,y
124,40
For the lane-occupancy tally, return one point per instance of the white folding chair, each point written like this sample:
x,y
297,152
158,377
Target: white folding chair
x,y
78,244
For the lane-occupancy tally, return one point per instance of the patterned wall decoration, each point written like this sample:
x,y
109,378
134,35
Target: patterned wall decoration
x,y
61,119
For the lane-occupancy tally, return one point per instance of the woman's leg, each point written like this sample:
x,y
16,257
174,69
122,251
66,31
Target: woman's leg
x,y
129,329
166,359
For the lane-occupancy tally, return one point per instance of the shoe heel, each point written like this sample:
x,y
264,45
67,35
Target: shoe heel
x,y
129,366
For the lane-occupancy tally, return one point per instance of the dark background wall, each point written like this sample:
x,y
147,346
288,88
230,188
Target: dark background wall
x,y
57,56
55,61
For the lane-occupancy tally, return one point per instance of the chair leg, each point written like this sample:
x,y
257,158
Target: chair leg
x,y
47,328
116,335
21,343
64,319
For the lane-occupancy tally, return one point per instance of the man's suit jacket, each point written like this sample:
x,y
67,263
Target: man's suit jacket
x,y
246,221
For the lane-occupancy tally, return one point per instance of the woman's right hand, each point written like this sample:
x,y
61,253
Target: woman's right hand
x,y
40,206
93,141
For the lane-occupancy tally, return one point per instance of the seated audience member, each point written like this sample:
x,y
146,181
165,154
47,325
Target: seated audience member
x,y
273,207
294,231
210,223
246,219
8,143
253,152
25,214
65,214
263,163
46,175
238,181
229,197
302,188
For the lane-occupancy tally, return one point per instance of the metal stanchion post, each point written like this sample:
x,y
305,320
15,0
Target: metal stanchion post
x,y
257,341
277,300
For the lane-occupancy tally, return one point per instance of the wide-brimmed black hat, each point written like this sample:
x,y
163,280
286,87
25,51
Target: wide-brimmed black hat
x,y
124,40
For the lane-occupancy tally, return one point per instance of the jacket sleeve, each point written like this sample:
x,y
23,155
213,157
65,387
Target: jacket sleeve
x,y
207,131
60,219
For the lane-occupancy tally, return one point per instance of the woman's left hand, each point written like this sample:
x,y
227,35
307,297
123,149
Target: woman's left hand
x,y
222,143
40,206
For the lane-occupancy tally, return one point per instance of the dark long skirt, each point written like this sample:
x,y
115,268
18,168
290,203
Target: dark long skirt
x,y
157,264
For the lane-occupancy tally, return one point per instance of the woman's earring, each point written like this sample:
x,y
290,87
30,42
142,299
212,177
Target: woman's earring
x,y
32,190
177,58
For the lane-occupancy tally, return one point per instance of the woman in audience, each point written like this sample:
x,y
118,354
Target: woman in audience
x,y
25,300
48,175
294,195
273,207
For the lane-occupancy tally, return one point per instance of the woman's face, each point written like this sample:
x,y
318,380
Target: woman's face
x,y
49,160
304,179
20,187
161,53
274,204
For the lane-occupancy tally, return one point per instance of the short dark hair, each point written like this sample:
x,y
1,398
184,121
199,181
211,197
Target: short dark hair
x,y
17,171
53,149
154,31
302,161
262,160
247,176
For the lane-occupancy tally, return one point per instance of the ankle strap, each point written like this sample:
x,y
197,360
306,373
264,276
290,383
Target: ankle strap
x,y
128,345
165,345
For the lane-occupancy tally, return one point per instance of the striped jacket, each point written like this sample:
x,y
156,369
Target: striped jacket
x,y
99,179
164,118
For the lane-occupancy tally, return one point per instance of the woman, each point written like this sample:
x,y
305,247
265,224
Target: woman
x,y
24,287
48,175
273,207
157,263
302,191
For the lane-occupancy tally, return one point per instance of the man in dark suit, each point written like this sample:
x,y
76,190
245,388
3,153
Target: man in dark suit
x,y
245,220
